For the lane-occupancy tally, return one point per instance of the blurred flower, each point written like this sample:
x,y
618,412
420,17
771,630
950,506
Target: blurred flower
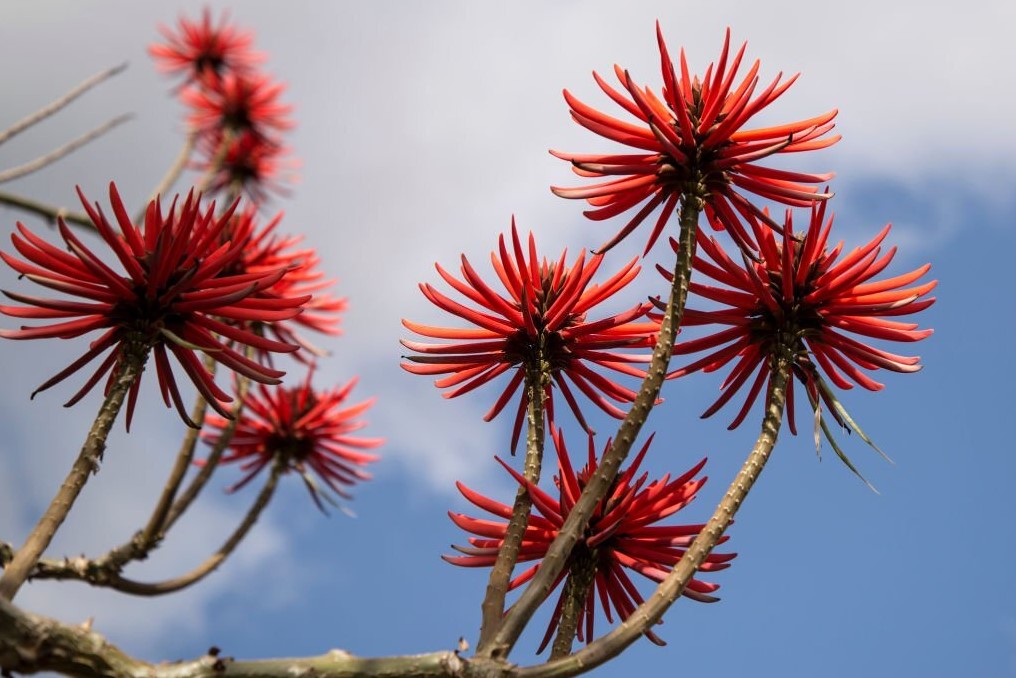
x,y
798,293
172,300
307,430
237,104
540,326
621,535
265,250
201,50
692,135
250,164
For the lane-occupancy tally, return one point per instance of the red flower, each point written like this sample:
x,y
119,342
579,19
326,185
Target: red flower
x,y
799,292
252,164
237,103
308,430
172,299
265,250
201,49
621,535
540,325
692,135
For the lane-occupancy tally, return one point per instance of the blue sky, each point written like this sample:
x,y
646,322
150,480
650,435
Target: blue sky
x,y
421,129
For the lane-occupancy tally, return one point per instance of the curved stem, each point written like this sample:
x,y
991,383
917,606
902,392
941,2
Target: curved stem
x,y
155,529
131,364
212,462
647,614
500,575
554,561
172,174
204,569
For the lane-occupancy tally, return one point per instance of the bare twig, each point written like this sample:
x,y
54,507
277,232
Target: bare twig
x,y
31,643
69,147
50,213
129,368
60,103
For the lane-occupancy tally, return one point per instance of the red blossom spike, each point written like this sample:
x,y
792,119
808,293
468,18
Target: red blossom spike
x,y
237,104
253,163
800,289
166,299
263,250
202,50
621,535
306,430
538,321
694,133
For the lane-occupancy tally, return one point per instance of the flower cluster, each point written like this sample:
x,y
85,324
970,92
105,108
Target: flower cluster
x,y
235,112
174,298
539,325
807,298
622,535
203,50
304,430
263,249
691,140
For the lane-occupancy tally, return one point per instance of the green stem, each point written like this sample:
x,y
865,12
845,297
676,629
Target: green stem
x,y
650,612
599,484
129,366
500,575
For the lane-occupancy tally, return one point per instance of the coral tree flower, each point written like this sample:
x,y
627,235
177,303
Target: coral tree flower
x,y
172,298
237,103
541,325
251,163
307,430
621,536
201,50
264,250
693,134
802,292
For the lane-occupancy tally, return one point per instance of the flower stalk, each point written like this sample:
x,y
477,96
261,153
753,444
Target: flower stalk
x,y
133,355
137,588
692,204
576,590
614,642
500,575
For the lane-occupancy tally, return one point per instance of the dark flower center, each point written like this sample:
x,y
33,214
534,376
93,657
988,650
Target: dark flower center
x,y
209,61
545,346
293,444
699,167
795,318
149,313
